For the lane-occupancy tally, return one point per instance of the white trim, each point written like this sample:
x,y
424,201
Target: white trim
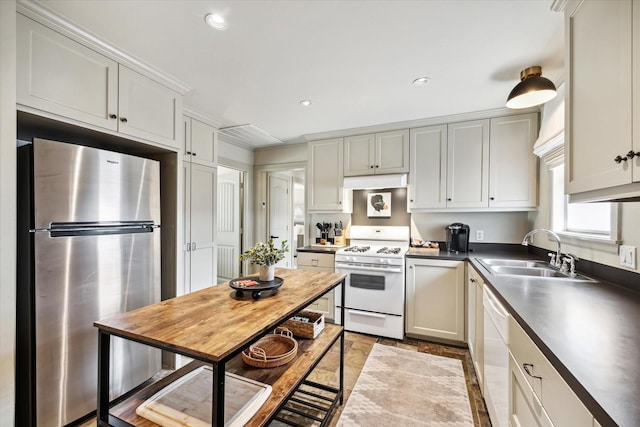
x,y
576,238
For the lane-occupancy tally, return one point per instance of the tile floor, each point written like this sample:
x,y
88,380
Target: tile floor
x,y
357,348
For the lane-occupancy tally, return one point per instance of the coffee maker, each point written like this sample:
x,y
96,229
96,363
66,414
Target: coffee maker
x,y
457,237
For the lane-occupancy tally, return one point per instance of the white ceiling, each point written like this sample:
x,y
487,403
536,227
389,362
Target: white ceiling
x,y
355,60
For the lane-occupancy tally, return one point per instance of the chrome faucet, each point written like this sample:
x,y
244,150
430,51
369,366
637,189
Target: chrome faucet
x,y
556,260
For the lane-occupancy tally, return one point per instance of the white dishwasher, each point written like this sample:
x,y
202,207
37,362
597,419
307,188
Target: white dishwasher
x,y
496,359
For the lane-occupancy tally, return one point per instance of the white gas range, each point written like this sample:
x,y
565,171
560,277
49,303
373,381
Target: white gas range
x,y
374,294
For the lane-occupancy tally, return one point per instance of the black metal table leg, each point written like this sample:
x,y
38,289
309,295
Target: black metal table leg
x,y
104,344
342,343
217,409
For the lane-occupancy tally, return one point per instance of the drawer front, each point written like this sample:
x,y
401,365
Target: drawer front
x,y
559,401
314,260
525,409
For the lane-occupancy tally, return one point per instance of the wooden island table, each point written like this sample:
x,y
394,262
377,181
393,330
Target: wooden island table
x,y
213,326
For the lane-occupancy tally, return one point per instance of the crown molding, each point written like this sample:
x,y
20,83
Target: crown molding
x,y
50,19
202,117
559,5
409,124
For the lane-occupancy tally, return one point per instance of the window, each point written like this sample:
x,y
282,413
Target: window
x,y
584,220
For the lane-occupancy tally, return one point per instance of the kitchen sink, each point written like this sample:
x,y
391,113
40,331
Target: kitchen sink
x,y
528,268
514,263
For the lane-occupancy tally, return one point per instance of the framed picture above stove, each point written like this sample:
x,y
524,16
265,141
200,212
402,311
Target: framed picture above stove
x,y
379,204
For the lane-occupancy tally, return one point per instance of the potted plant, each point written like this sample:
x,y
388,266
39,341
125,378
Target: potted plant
x,y
266,255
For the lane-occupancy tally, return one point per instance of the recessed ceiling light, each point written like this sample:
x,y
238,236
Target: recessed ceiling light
x,y
305,103
421,81
215,21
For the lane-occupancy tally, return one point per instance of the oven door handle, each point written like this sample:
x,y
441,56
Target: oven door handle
x,y
367,314
346,268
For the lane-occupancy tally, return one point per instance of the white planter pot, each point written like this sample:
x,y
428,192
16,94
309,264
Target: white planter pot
x,y
267,272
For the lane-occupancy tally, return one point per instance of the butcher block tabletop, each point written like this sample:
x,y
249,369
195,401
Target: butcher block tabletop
x,y
214,324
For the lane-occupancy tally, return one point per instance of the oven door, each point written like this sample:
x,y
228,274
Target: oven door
x,y
377,289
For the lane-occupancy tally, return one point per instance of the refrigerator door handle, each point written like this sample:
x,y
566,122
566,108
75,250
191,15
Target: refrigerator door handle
x,y
70,229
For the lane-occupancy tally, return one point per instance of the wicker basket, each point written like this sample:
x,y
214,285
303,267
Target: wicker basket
x,y
310,329
271,350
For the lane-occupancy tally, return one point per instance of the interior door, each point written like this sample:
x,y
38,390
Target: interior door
x,y
280,213
228,224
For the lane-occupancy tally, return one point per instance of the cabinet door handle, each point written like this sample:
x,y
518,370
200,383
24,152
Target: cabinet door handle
x,y
527,368
472,280
411,200
188,247
448,200
631,154
371,167
123,119
113,116
193,246
619,159
340,202
492,198
377,166
188,153
194,154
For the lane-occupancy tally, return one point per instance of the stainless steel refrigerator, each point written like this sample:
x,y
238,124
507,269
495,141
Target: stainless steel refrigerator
x,y
88,248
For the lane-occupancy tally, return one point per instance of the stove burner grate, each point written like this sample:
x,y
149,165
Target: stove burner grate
x,y
387,250
357,249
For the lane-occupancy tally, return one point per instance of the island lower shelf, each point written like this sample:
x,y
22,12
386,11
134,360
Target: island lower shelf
x,y
284,380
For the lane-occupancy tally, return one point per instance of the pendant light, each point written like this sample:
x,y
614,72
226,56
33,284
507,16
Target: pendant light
x,y
532,90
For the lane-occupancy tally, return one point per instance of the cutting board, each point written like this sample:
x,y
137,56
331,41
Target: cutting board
x,y
187,401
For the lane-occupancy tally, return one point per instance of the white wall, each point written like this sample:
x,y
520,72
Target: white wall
x,y
602,253
7,209
498,227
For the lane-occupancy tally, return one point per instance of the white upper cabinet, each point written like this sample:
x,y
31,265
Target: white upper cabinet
x,y
428,176
326,178
57,75
60,76
200,142
512,164
380,153
602,129
468,164
473,166
148,109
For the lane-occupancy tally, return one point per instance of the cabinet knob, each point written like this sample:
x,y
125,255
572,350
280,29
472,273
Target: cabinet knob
x,y
411,200
371,167
472,280
448,200
193,246
194,154
188,153
340,202
631,154
123,119
619,159
492,198
377,166
113,116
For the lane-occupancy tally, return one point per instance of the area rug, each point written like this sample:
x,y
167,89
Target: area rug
x,y
399,387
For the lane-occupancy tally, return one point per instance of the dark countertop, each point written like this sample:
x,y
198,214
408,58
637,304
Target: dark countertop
x,y
320,249
589,331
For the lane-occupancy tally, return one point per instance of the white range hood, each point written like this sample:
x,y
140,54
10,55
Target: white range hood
x,y
371,182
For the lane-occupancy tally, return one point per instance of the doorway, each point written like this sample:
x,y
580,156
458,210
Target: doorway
x,y
286,211
229,223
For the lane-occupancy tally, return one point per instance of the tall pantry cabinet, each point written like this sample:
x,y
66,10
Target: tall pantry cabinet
x,y
200,179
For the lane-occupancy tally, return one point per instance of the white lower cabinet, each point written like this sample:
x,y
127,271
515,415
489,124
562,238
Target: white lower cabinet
x,y
435,299
525,409
538,395
475,323
319,262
